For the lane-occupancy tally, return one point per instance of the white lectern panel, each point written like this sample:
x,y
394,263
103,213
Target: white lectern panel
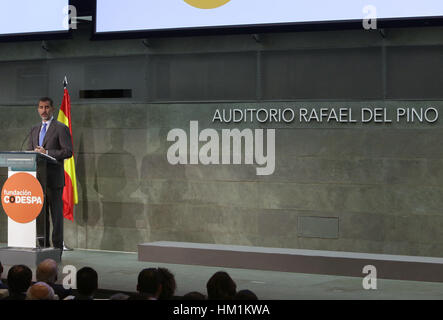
x,y
22,235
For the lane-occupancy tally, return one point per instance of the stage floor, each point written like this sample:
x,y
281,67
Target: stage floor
x,y
118,271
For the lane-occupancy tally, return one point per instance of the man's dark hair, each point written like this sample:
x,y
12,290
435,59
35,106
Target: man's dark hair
x,y
149,282
19,279
245,295
221,287
1,268
47,99
87,281
168,283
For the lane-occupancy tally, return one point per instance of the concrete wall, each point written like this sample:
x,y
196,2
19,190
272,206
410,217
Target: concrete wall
x,y
367,188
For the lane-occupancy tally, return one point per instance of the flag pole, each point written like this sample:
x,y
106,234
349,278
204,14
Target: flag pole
x,y
65,85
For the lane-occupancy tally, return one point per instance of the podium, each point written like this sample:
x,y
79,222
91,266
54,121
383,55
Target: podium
x,y
23,246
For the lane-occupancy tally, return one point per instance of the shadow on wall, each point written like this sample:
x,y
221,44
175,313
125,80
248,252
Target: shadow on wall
x,y
155,184
116,180
171,197
89,213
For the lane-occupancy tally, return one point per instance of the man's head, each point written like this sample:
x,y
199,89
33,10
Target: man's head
x,y
40,291
47,271
168,283
149,282
87,281
221,287
19,279
45,108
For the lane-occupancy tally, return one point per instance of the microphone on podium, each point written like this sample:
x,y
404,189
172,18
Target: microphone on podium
x,y
26,138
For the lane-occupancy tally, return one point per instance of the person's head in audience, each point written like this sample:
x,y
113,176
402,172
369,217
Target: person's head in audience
x,y
221,287
19,280
245,295
40,291
149,283
87,283
168,283
194,295
47,271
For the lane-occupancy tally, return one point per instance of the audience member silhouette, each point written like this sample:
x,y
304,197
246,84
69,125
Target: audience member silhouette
x,y
87,283
19,280
41,291
47,272
221,287
149,285
168,284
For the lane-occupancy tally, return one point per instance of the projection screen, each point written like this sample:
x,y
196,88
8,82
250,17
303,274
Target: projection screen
x,y
152,15
27,17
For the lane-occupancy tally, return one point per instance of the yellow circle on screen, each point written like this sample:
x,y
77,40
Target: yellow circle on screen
x,y
207,4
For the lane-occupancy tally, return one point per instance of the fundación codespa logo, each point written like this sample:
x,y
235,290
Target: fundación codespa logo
x,y
207,4
22,197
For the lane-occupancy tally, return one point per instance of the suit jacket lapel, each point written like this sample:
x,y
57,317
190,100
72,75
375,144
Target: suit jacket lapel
x,y
48,134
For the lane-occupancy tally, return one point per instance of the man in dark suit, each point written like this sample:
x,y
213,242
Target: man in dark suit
x,y
54,139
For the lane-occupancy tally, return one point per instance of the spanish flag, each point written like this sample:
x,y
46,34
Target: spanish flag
x,y
70,194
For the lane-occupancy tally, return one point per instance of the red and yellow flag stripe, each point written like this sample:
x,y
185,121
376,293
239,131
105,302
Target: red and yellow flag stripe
x,y
70,194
